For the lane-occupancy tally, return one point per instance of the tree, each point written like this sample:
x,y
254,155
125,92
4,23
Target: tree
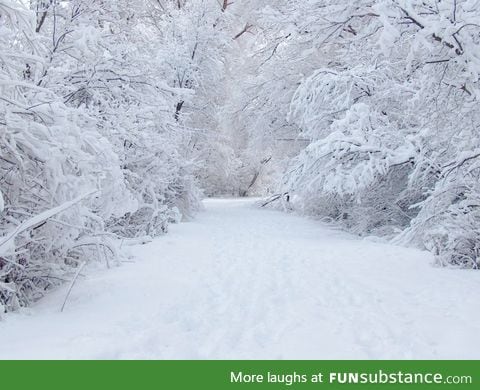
x,y
381,130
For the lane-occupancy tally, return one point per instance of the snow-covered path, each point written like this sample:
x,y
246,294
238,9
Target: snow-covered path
x,y
240,282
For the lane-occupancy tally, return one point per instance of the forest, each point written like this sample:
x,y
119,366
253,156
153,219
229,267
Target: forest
x,y
118,117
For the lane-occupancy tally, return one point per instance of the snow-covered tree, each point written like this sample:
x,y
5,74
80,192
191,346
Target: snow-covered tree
x,y
52,156
391,119
92,146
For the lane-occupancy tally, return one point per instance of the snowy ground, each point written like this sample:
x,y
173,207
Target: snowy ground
x,y
239,282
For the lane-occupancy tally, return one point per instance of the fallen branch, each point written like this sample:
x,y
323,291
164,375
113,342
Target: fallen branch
x,y
273,198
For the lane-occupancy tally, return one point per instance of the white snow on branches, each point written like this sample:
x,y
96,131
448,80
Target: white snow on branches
x,y
364,113
91,103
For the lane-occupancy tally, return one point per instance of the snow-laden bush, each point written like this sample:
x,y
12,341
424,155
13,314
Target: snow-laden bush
x,y
448,221
92,146
392,119
51,157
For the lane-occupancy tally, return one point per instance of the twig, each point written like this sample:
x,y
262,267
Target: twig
x,y
72,283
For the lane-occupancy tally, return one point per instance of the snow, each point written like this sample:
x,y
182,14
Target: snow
x,y
242,282
7,241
